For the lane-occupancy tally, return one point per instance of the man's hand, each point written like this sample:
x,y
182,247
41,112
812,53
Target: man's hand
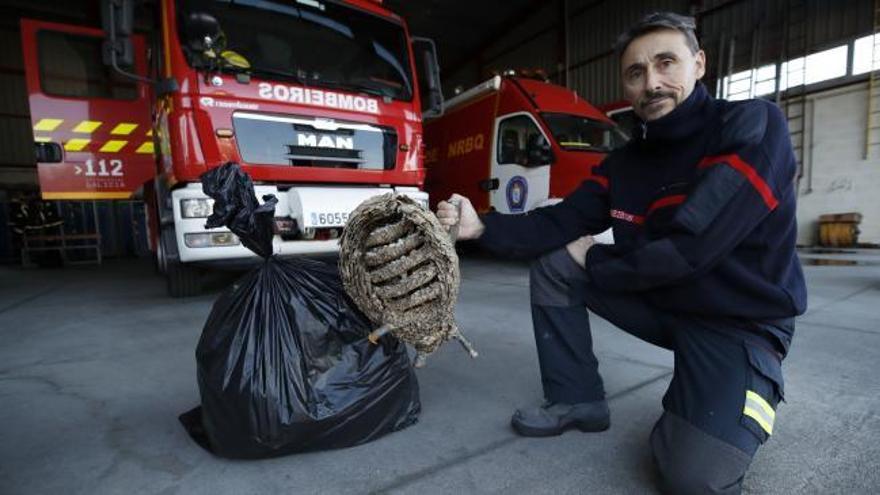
x,y
469,224
578,248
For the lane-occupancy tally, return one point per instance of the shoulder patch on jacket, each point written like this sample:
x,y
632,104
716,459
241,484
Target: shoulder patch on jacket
x,y
743,124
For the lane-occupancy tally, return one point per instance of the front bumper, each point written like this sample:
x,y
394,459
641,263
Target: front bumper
x,y
342,198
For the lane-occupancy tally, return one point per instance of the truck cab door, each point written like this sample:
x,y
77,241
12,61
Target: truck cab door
x,y
99,120
521,170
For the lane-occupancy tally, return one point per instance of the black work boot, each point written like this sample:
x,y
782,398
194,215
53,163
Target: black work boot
x,y
553,419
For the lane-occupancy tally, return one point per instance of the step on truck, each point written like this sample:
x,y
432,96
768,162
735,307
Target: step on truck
x,y
514,143
320,101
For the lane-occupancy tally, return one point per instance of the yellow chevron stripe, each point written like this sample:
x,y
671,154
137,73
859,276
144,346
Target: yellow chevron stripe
x,y
87,126
150,132
147,147
76,144
113,145
124,129
47,125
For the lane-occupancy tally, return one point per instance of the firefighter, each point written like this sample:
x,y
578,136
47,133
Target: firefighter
x,y
702,203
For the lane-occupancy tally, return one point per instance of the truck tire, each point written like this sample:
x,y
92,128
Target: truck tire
x,y
182,279
160,262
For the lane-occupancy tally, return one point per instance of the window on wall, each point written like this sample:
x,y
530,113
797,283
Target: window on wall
x,y
765,80
515,136
71,66
866,54
826,65
814,68
739,86
818,67
792,73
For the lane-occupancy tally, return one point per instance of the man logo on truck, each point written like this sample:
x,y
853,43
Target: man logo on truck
x,y
325,141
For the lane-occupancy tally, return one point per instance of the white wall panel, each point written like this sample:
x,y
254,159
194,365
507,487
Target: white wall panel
x,y
842,180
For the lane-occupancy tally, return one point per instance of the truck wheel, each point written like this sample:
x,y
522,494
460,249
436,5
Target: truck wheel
x,y
183,280
151,212
160,262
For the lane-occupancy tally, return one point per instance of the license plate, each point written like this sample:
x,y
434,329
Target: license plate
x,y
335,219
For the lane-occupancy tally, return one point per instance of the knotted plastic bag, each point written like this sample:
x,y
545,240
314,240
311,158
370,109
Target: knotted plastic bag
x,y
283,361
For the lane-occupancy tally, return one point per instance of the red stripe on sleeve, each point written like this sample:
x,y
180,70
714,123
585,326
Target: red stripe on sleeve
x,y
748,171
667,201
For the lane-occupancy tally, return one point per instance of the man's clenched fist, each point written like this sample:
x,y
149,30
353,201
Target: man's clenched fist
x,y
469,224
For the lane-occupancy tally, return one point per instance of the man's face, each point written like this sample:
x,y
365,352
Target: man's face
x,y
659,72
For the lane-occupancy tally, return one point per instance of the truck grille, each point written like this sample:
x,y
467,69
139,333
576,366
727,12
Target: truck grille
x,y
309,142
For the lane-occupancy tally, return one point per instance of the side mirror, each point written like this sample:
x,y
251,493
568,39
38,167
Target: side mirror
x,y
117,20
428,72
539,151
202,31
48,153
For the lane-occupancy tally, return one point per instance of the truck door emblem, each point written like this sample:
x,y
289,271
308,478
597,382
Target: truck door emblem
x,y
517,192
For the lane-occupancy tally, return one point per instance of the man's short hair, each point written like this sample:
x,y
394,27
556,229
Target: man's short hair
x,y
684,24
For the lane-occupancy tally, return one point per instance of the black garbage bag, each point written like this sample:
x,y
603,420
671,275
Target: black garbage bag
x,y
284,365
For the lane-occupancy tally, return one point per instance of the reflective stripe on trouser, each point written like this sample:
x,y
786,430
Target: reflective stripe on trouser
x,y
760,410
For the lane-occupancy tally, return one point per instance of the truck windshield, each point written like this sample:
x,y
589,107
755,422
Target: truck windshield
x,y
311,42
577,133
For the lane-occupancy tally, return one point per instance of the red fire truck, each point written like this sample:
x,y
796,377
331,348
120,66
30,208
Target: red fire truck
x,y
512,144
318,100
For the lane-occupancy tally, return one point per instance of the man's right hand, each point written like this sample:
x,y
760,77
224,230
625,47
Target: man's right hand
x,y
469,224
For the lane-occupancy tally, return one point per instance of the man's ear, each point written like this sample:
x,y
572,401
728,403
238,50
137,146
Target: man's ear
x,y
700,64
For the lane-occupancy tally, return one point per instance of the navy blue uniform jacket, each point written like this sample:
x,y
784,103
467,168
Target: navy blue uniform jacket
x,y
702,205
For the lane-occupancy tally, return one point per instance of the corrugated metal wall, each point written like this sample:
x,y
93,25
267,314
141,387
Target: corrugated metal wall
x,y
532,44
16,139
535,39
758,26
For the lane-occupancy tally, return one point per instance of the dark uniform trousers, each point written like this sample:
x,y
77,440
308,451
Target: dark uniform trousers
x,y
720,405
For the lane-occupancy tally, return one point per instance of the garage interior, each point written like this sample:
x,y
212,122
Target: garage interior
x,y
97,360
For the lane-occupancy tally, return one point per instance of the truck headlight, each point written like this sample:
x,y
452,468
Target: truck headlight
x,y
196,207
211,239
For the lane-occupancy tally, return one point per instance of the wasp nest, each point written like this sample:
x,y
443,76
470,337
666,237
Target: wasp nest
x,y
399,266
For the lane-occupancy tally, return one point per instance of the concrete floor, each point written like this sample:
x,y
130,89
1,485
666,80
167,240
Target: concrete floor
x,y
97,363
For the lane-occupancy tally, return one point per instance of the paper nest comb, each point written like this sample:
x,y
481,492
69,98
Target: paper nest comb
x,y
399,266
